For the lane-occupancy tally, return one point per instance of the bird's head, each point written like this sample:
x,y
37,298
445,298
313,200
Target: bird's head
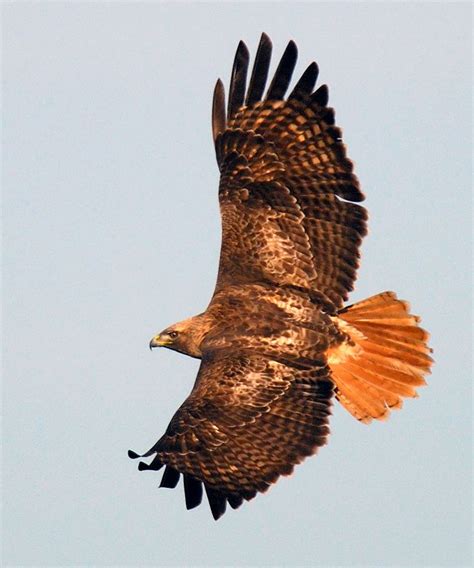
x,y
184,337
170,337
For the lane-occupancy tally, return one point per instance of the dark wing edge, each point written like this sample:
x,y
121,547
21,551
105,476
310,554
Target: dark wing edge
x,y
248,420
293,143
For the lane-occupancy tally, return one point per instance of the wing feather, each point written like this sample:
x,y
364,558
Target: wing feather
x,y
238,79
170,478
320,96
260,71
305,84
283,74
192,491
218,110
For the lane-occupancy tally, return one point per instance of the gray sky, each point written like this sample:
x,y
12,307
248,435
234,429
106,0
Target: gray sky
x,y
112,232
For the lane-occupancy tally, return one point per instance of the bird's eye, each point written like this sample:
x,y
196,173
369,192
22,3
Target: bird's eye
x,y
173,334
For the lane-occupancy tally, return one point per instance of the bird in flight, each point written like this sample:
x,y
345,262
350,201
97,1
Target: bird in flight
x,y
276,343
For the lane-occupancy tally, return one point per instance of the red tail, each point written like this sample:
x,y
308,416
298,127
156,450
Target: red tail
x,y
385,358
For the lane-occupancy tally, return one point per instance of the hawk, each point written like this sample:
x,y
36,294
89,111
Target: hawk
x,y
276,343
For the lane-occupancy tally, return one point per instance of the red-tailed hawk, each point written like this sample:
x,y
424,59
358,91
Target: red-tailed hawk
x,y
275,343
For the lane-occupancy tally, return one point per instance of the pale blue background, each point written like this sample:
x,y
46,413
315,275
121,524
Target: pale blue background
x,y
111,232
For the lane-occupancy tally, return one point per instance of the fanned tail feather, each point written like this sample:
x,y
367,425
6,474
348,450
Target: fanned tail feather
x,y
384,358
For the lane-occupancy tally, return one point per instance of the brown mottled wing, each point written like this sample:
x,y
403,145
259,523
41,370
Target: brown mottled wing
x,y
248,420
286,184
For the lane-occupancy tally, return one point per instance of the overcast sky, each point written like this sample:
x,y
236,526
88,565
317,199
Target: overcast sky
x,y
112,232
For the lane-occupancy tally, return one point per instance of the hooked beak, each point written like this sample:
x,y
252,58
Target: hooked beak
x,y
157,341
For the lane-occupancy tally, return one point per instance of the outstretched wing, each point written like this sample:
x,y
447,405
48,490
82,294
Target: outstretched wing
x,y
248,420
286,184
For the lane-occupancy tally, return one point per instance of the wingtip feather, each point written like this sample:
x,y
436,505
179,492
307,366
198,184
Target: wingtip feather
x,y
260,69
218,109
284,72
238,79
